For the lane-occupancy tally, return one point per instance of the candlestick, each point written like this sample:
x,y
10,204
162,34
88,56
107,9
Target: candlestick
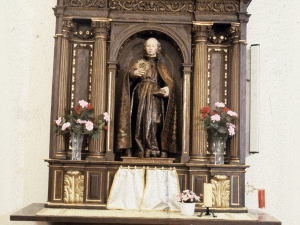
x,y
207,198
261,198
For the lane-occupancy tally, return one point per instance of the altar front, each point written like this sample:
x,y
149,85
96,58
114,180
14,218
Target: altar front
x,y
204,43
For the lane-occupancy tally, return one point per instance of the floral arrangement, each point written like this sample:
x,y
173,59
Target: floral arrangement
x,y
81,120
220,121
188,196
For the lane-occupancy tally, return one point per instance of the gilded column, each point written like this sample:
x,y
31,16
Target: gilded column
x,y
234,97
99,85
112,69
186,112
62,94
200,91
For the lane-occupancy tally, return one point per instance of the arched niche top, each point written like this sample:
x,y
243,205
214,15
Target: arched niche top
x,y
184,45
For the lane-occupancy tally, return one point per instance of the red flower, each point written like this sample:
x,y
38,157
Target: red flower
x,y
214,113
78,109
204,115
205,109
226,110
89,106
105,127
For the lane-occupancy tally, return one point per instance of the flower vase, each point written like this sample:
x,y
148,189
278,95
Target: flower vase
x,y
218,145
188,209
76,139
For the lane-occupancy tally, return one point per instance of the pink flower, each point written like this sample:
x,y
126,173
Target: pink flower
x,y
219,105
231,129
106,117
58,121
65,126
83,103
231,113
215,118
89,126
81,121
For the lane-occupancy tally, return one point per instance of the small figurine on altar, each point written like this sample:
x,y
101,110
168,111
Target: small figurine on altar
x,y
147,121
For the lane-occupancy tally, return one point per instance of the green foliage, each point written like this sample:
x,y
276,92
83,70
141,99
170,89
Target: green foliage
x,y
218,122
81,120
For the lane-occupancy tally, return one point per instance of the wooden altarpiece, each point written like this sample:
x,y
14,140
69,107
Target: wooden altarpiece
x,y
204,43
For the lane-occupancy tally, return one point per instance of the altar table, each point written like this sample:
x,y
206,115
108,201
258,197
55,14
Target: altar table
x,y
60,216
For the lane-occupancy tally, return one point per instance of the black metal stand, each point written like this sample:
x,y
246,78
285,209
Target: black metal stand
x,y
207,213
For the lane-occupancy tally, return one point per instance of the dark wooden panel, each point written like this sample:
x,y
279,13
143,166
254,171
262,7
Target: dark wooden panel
x,y
198,183
82,67
182,179
218,67
58,185
235,190
110,178
94,186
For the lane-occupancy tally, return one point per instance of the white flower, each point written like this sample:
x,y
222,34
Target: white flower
x,y
231,113
65,126
219,104
83,103
89,126
215,117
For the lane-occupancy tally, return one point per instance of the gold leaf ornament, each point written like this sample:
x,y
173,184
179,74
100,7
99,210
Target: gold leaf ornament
x,y
142,65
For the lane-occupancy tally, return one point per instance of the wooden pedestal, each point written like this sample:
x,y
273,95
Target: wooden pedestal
x,y
86,184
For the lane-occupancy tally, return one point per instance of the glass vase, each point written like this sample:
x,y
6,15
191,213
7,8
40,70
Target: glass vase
x,y
188,209
217,147
76,139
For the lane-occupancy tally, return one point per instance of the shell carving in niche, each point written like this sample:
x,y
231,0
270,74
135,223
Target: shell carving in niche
x,y
73,187
220,191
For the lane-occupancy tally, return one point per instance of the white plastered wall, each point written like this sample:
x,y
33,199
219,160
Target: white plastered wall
x,y
26,60
275,26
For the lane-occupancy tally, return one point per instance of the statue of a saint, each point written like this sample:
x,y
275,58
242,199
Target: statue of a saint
x,y
147,121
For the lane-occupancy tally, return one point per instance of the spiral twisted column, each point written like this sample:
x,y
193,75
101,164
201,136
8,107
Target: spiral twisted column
x,y
200,91
99,84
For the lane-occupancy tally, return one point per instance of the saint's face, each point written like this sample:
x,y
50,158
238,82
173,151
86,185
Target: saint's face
x,y
151,47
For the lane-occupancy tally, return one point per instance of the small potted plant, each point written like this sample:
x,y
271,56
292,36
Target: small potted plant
x,y
188,199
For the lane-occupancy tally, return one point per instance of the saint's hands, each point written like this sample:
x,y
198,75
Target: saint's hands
x,y
162,92
165,91
138,73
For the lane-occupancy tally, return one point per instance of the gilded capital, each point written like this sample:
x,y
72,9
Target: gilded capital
x,y
101,27
201,31
67,26
234,32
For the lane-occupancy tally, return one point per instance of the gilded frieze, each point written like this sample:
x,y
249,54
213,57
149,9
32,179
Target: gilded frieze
x,y
178,6
155,6
85,3
218,6
221,191
73,187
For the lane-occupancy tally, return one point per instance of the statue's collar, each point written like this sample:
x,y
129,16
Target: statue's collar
x,y
150,58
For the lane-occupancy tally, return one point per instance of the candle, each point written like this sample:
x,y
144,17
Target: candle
x,y
207,197
261,198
